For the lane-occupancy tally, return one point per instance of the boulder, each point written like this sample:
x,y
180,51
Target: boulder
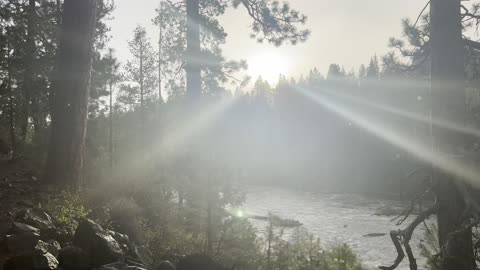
x,y
130,267
19,262
61,235
17,228
121,238
23,242
44,261
36,218
5,228
73,258
165,265
98,243
52,247
113,266
142,254
198,261
36,260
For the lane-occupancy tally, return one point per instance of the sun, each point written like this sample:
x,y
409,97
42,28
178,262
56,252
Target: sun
x,y
269,65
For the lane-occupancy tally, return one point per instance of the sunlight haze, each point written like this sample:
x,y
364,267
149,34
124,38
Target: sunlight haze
x,y
346,32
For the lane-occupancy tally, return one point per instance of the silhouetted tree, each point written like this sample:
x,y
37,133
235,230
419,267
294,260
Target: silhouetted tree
x,y
71,84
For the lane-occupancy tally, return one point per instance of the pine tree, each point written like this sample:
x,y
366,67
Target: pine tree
x,y
71,84
272,22
373,69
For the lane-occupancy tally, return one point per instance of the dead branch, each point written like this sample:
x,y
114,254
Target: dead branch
x,y
395,236
405,236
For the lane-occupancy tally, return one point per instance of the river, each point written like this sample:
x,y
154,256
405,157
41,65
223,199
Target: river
x,y
336,219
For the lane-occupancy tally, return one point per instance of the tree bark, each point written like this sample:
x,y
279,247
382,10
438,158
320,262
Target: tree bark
x,y
448,104
71,88
193,53
29,75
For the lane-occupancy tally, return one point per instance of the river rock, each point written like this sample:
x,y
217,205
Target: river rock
x,y
198,261
36,218
374,234
98,243
73,258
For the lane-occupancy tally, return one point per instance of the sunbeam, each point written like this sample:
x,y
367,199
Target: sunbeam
x,y
181,134
426,119
195,124
421,151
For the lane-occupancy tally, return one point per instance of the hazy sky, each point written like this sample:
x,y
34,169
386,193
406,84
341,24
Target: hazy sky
x,y
347,32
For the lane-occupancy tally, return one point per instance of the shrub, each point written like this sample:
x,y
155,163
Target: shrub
x,y
67,209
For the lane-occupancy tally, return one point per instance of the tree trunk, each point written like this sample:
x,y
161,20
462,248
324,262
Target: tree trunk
x,y
270,239
448,104
39,121
29,71
193,53
11,105
142,104
71,87
160,98
209,217
110,137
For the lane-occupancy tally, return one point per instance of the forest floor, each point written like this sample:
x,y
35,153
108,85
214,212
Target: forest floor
x,y
20,188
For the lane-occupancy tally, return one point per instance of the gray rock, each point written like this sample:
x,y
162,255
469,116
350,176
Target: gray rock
x,y
19,262
165,265
113,266
73,258
18,228
130,267
36,260
36,218
44,261
98,243
5,228
23,242
374,234
61,235
121,238
52,247
142,254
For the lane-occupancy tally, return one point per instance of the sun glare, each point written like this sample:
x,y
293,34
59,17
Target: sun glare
x,y
269,65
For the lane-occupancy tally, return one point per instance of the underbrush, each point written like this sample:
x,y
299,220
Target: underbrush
x,y
155,218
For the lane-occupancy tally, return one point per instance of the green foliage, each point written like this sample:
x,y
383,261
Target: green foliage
x,y
171,240
67,209
304,251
